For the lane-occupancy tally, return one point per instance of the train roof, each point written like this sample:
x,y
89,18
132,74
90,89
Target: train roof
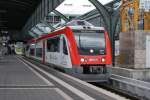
x,y
74,25
81,25
86,28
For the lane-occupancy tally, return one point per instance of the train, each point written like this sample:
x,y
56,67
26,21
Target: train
x,y
78,48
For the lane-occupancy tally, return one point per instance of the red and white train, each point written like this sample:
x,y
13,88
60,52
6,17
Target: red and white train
x,y
78,48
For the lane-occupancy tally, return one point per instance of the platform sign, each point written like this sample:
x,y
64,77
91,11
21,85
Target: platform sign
x,y
148,51
145,4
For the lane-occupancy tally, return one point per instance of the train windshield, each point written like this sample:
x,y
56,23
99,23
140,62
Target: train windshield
x,y
90,42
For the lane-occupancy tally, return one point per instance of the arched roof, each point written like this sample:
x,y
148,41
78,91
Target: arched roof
x,y
14,13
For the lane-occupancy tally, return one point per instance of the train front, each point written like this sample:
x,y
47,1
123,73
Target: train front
x,y
94,51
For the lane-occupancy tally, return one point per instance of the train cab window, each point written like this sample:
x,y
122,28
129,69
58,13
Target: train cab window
x,y
90,42
65,51
53,44
39,52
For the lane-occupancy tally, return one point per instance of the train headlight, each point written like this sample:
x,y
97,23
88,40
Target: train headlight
x,y
91,50
82,60
103,60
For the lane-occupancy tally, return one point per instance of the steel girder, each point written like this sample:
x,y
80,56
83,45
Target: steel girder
x,y
47,24
89,14
39,14
115,20
61,15
33,34
110,18
36,31
103,12
95,13
37,27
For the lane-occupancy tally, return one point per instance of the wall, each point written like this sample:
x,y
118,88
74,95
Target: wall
x,y
140,48
133,49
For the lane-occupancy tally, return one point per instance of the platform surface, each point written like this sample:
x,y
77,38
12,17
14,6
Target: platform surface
x,y
15,73
19,81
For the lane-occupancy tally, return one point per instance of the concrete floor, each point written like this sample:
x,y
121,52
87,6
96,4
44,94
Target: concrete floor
x,y
18,82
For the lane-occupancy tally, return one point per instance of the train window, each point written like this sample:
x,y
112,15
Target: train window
x,y
48,45
65,51
32,51
90,42
53,44
39,52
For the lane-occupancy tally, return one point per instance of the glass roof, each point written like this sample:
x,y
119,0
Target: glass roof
x,y
68,7
77,7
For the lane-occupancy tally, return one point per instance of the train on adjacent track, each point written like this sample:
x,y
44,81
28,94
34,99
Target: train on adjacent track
x,y
78,48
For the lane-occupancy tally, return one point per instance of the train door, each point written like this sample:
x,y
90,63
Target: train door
x,y
32,50
53,50
38,50
65,55
56,54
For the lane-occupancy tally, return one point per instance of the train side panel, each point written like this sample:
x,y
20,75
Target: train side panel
x,y
56,51
65,54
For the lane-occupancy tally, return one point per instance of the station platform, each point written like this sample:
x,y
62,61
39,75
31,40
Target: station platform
x,y
23,80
